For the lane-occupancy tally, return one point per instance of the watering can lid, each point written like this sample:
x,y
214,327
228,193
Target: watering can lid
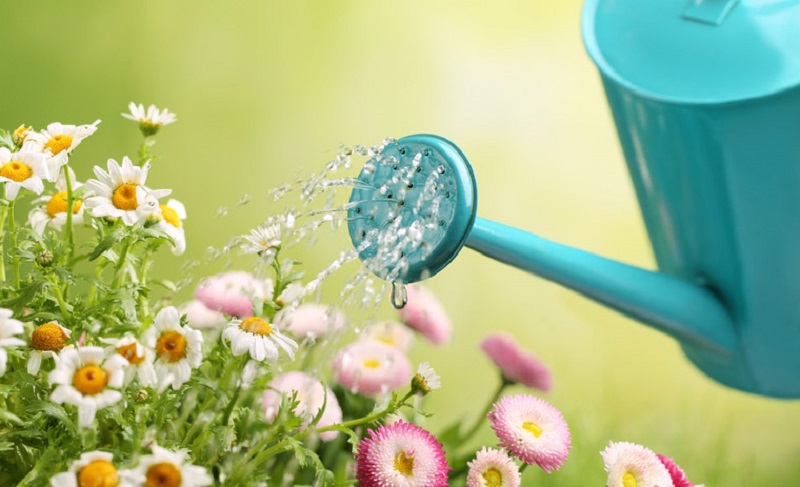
x,y
696,51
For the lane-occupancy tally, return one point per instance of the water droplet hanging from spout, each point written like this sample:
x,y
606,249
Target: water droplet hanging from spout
x,y
399,296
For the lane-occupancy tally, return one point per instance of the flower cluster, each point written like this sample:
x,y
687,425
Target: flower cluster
x,y
103,381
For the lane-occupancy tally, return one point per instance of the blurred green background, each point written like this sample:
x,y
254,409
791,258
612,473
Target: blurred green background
x,y
267,90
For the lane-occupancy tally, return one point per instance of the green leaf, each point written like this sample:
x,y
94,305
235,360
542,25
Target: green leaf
x,y
10,418
26,295
53,410
106,243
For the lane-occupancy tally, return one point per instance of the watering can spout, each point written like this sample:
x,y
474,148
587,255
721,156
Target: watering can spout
x,y
688,312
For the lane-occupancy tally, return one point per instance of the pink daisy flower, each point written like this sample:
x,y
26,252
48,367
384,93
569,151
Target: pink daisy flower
x,y
532,430
391,333
629,465
398,455
198,316
311,395
315,320
233,292
679,478
424,313
494,468
516,364
371,368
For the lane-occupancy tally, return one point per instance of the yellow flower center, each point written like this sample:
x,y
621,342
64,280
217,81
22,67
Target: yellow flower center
x,y
58,204
403,464
48,336
171,346
90,379
58,143
256,326
493,478
21,134
124,197
372,363
129,352
628,480
420,382
99,473
387,339
170,216
532,428
16,171
163,475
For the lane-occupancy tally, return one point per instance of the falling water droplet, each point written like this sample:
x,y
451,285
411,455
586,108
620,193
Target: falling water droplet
x,y
399,296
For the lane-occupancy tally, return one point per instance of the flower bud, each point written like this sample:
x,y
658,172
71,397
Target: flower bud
x,y
45,258
141,396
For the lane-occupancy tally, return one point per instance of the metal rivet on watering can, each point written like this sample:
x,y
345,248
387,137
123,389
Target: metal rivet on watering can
x,y
706,99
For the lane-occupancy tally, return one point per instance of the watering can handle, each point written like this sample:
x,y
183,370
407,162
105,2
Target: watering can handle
x,y
686,311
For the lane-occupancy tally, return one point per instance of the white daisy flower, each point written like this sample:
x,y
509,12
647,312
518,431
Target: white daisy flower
x,y
87,380
426,379
259,337
23,169
140,359
171,223
121,192
266,239
150,120
166,468
20,135
58,141
52,210
46,341
96,468
178,348
8,328
630,464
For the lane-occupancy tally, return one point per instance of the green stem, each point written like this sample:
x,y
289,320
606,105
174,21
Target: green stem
x,y
70,200
121,263
62,304
98,271
479,421
391,408
12,226
144,304
281,446
3,212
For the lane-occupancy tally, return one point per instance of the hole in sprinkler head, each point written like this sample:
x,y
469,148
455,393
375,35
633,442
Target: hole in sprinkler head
x,y
403,151
402,202
419,168
389,196
394,167
426,152
410,185
358,210
447,194
442,223
440,169
362,233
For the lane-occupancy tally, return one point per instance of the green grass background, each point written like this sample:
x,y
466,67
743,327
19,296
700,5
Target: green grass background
x,y
265,89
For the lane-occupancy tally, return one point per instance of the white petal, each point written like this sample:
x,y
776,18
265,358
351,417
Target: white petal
x,y
87,410
12,189
35,363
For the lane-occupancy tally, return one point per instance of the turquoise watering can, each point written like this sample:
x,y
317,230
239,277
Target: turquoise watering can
x,y
706,98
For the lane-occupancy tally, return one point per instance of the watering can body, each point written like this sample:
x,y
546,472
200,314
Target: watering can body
x,y
705,95
706,99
